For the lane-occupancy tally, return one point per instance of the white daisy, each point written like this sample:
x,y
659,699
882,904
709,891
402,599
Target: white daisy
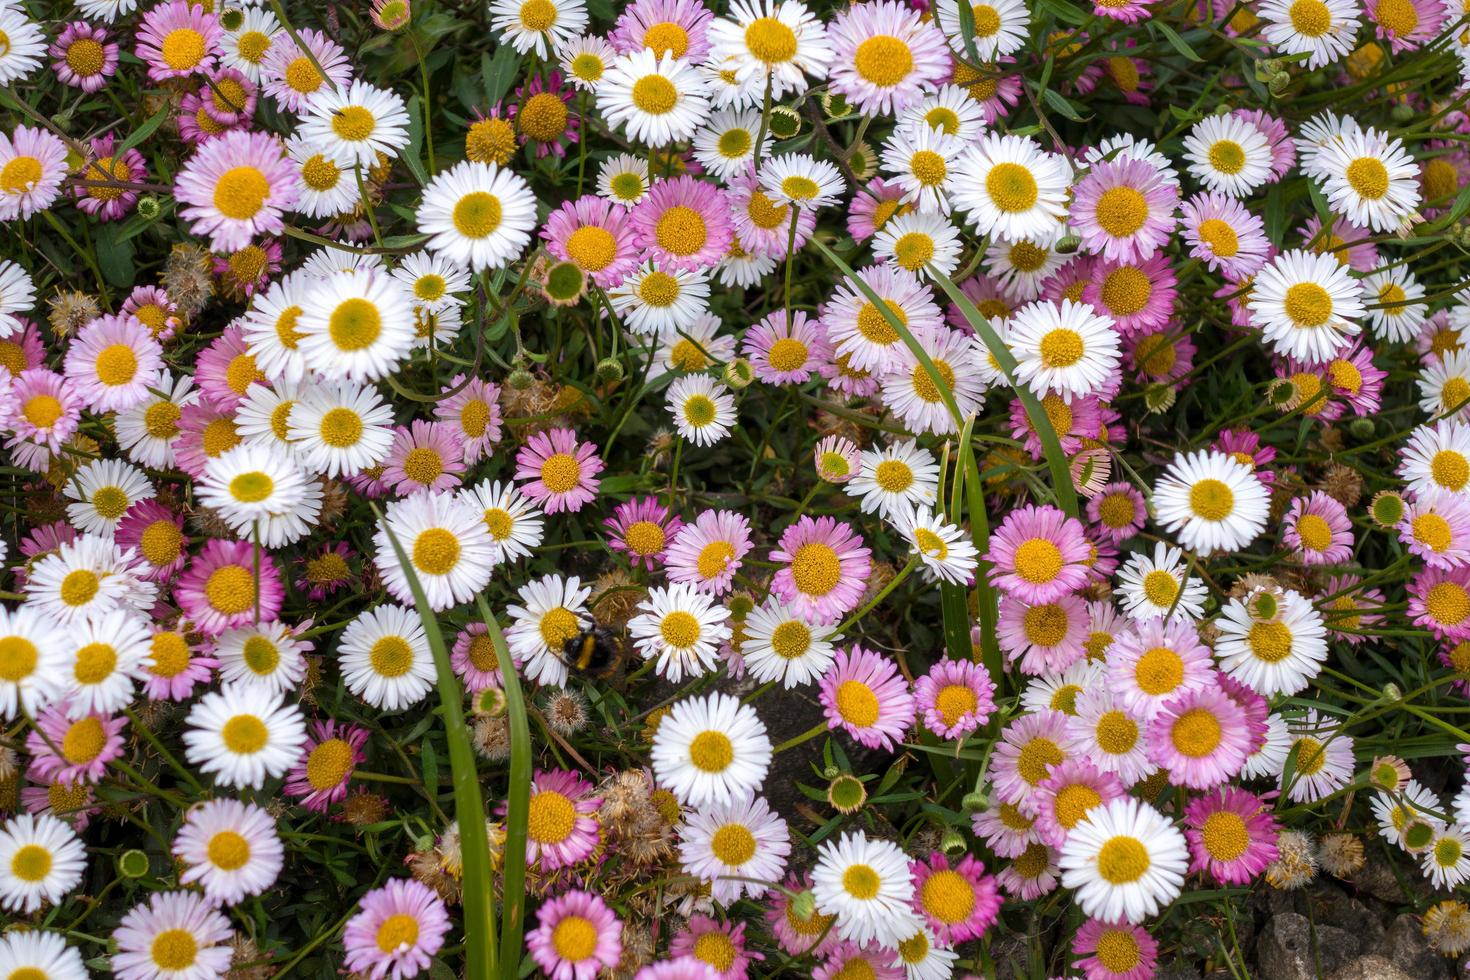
x,y
1267,761
1124,860
230,849
478,215
1306,305
87,577
1000,27
245,46
514,522
1319,132
446,541
950,111
174,935
656,100
33,661
696,346
106,656
733,845
341,429
251,483
268,655
40,955
728,88
1061,691
1272,656
802,180
552,610
775,42
1070,349
1160,585
858,329
1371,180
910,392
1394,810
585,60
1394,304
1323,30
946,552
923,958
17,295
652,301
1446,863
922,160
1109,735
542,26
710,749
741,269
1437,457
1323,758
147,431
868,886
726,143
919,243
329,260
263,417
680,629
891,478
327,186
1228,154
1444,387
1011,188
271,328
435,279
356,326
703,408
385,658
355,123
104,489
777,644
1211,501
1023,265
243,735
24,46
41,861
623,179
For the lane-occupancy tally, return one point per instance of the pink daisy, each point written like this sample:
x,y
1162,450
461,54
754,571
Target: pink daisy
x,y
1037,553
762,225
1070,281
1124,209
542,117
1139,296
1121,72
1349,244
39,162
682,224
576,937
245,271
955,698
563,826
844,379
23,351
291,78
1224,234
997,90
474,658
1317,528
320,777
642,528
1341,605
1439,601
1030,746
595,234
424,456
798,936
113,361
1245,448
1115,951
1072,422
177,39
1127,11
848,959
1117,511
1034,873
562,471
174,667
865,694
153,306
1165,357
1406,26
190,913
873,207
228,97
220,589
1069,792
996,300
785,348
326,571
678,27
73,751
83,56
1155,661
709,552
885,57
719,945
237,188
105,202
196,126
64,801
43,409
157,535
400,928
1231,834
1354,378
824,568
225,370
958,901
1005,828
204,433
1043,638
1200,736
1436,528
1283,147
471,407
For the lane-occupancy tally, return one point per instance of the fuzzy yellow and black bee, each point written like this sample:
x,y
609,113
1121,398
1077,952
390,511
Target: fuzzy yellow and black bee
x,y
596,651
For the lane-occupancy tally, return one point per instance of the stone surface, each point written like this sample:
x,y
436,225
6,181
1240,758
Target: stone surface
x,y
1285,949
1371,967
1406,946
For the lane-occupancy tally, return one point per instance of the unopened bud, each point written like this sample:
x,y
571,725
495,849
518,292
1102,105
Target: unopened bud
x,y
953,843
1067,244
148,207
609,370
1392,692
1361,428
520,379
804,905
975,803
739,373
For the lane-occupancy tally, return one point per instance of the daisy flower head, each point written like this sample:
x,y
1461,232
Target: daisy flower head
x,y
42,954
919,243
177,39
83,56
703,408
179,934
1124,209
916,396
1211,502
1231,834
562,470
1114,951
73,750
726,144
514,523
718,945
1371,180
17,296
656,100
1446,863
269,655
1228,154
777,644
1043,637
954,698
596,235
1157,661
1323,758
868,886
552,610
478,215
1436,458
32,167
884,57
1318,529
1125,861
1011,188
723,843
542,26
1068,348
642,528
889,479
1439,601
1109,734
563,815
86,578
1019,268
576,936
801,180
1117,511
230,848
824,568
355,123
1037,554
400,927
1224,234
711,749
104,490
775,42
680,628
1275,654
999,27
384,657
41,861
858,329
341,429
1394,304
785,348
243,735
708,551
107,656
865,695
1323,30
654,301
1200,737
237,187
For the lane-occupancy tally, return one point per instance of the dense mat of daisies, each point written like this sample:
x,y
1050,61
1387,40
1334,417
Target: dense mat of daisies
x,y
677,491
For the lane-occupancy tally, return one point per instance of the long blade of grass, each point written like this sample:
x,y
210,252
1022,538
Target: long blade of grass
x,y
1056,460
469,804
518,804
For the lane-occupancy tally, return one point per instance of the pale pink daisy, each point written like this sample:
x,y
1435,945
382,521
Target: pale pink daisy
x,y
291,77
73,750
864,694
719,945
113,361
785,347
1029,747
1115,951
955,697
763,225
172,927
177,39
885,57
424,456
562,472
1200,736
683,224
230,849
824,568
471,406
1225,235
1156,660
1038,554
1231,834
1138,295
1044,637
35,163
237,188
708,552
400,927
1436,528
1124,209
642,528
597,235
676,27
1069,792
1317,528
577,937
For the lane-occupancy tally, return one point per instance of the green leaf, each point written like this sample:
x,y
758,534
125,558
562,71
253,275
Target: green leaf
x,y
415,140
1061,104
499,72
137,136
115,256
1178,43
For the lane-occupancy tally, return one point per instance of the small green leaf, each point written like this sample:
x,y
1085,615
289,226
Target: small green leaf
x,y
1175,41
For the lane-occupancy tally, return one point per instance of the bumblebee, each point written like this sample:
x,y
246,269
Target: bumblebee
x,y
596,651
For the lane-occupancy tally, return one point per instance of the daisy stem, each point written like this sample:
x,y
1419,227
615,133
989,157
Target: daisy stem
x,y
903,573
368,207
674,470
790,260
424,76
385,777
581,143
805,736
760,137
168,756
145,784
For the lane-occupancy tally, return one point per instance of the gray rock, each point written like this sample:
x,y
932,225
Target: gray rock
x,y
1285,948
1371,967
1406,946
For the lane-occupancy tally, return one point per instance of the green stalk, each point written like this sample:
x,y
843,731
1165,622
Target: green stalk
x,y
518,804
469,805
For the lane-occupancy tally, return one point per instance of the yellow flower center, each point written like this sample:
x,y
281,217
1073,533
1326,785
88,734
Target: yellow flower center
x,y
1121,211
770,41
816,569
241,193
230,589
477,214
1159,671
1211,499
183,48
711,751
655,95
1036,758
1116,733
1368,176
174,949
1311,17
733,844
1196,733
1227,156
1011,187
1225,835
245,734
228,850
883,60
681,231
1122,860
552,817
